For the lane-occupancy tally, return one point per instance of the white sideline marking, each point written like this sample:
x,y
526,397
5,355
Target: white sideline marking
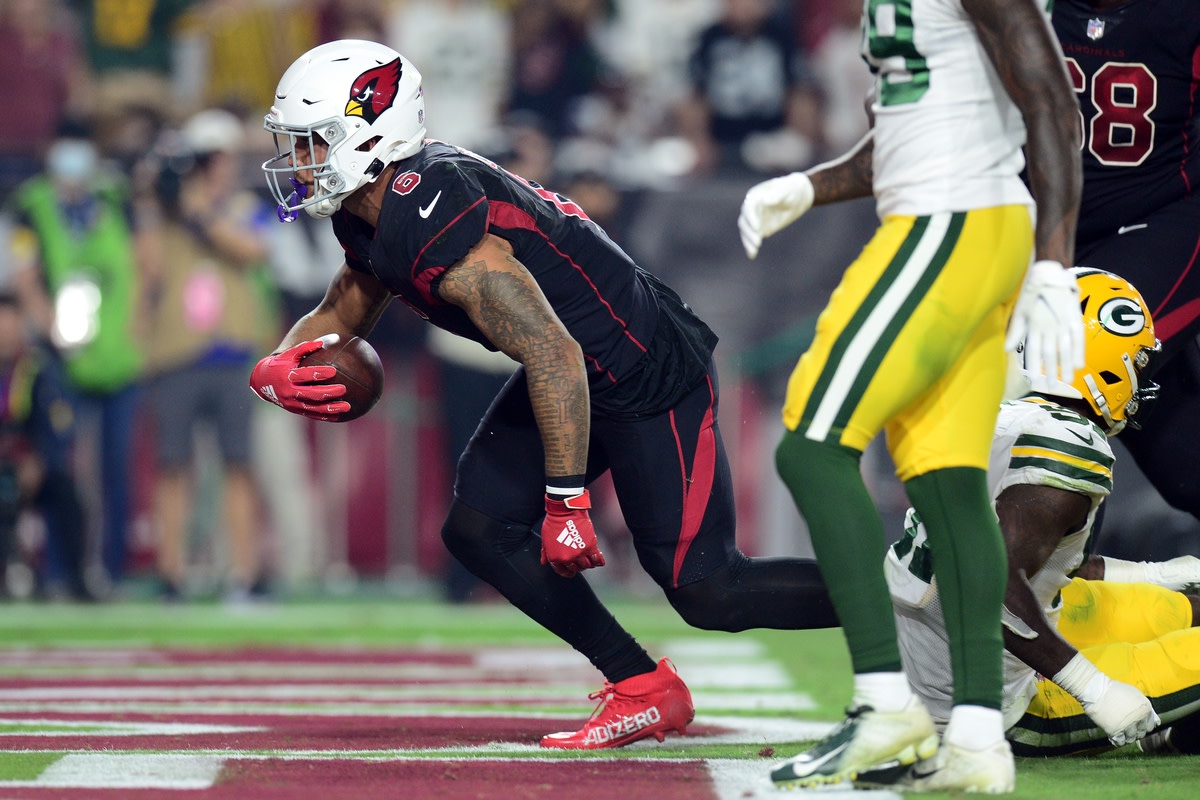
x,y
132,771
110,728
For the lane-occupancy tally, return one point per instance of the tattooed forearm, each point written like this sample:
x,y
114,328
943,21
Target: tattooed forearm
x,y
847,178
352,305
506,304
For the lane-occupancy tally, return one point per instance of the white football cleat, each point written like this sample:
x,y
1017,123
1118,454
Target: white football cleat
x,y
954,768
885,742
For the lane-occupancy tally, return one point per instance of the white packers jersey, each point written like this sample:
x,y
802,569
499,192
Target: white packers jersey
x,y
947,135
1037,443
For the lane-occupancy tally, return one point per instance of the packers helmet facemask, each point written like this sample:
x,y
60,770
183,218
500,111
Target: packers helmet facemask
x,y
1119,342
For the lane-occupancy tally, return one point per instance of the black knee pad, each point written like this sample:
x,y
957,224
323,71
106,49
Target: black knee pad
x,y
706,604
471,535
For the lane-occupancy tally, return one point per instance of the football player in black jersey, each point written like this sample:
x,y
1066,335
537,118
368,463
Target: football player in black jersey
x,y
616,375
1135,64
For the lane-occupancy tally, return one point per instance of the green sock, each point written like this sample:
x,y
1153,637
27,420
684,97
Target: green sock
x,y
847,535
971,566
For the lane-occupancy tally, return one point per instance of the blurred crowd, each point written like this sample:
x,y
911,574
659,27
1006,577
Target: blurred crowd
x,y
142,270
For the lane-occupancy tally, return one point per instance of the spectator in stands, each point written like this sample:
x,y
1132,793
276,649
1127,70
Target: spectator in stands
x,y
75,250
555,64
464,47
45,77
750,104
130,50
226,50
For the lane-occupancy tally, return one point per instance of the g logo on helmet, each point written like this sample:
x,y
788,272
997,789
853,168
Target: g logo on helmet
x,y
374,91
1122,316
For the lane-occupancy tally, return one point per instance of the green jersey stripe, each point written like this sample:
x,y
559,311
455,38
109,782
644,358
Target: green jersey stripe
x,y
1080,451
1077,475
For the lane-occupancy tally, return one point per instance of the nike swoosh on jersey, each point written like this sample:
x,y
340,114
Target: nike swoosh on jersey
x,y
425,211
1085,439
1128,228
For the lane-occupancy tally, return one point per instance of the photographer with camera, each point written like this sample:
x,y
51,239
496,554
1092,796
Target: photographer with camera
x,y
37,428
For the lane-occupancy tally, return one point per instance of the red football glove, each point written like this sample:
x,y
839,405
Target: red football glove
x,y
568,538
280,379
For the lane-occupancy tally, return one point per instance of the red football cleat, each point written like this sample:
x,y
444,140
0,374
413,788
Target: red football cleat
x,y
652,704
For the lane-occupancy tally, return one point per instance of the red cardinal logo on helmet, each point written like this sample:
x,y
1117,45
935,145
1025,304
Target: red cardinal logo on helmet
x,y
374,91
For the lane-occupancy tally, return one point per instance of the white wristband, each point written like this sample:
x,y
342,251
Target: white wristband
x,y
1119,571
1082,680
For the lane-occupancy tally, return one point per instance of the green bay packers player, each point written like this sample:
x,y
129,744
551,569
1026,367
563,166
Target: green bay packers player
x,y
912,342
1088,664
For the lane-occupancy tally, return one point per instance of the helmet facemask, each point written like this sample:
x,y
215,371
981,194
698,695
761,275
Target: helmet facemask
x,y
1139,390
283,170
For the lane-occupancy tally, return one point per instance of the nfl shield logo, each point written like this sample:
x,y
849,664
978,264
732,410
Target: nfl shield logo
x,y
1095,29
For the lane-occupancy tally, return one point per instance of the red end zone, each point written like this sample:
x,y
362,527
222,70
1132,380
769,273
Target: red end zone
x,y
307,723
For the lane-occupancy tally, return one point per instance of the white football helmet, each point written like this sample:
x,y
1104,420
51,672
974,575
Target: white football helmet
x,y
364,100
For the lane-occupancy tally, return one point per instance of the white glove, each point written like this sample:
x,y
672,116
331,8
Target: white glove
x,y
1124,713
771,206
1049,324
1175,574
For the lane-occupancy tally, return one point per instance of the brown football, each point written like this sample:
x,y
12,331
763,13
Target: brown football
x,y
358,368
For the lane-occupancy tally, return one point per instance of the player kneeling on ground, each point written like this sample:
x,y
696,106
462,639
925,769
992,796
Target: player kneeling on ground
x,y
1122,661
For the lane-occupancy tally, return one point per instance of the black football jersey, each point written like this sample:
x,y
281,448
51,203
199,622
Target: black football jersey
x,y
1136,72
643,346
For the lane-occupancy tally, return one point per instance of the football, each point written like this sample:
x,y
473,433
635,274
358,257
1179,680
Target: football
x,y
358,368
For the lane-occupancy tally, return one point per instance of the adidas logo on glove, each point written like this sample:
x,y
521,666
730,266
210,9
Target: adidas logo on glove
x,y
570,536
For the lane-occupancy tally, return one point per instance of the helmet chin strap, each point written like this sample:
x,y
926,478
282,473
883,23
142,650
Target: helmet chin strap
x,y
1111,426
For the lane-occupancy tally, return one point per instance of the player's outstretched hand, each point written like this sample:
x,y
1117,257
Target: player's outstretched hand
x,y
280,379
771,206
1048,325
1124,713
568,538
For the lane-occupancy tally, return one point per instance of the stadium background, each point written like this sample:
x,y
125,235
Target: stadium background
x,y
380,484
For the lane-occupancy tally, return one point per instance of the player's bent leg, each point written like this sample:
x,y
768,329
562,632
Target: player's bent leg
x,y
779,593
640,698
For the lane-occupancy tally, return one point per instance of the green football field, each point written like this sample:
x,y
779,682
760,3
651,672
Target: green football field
x,y
815,664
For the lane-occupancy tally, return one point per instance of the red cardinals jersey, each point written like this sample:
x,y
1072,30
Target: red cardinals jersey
x,y
1136,71
643,346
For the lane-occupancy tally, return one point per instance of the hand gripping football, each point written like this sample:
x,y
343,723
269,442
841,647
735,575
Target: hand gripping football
x,y
358,369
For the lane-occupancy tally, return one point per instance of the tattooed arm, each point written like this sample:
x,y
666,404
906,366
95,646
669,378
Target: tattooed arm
x,y
507,305
848,177
1020,43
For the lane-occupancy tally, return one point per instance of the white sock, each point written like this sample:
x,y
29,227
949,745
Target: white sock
x,y
974,727
882,691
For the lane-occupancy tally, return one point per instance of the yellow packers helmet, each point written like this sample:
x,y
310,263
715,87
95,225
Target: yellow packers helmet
x,y
1119,341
